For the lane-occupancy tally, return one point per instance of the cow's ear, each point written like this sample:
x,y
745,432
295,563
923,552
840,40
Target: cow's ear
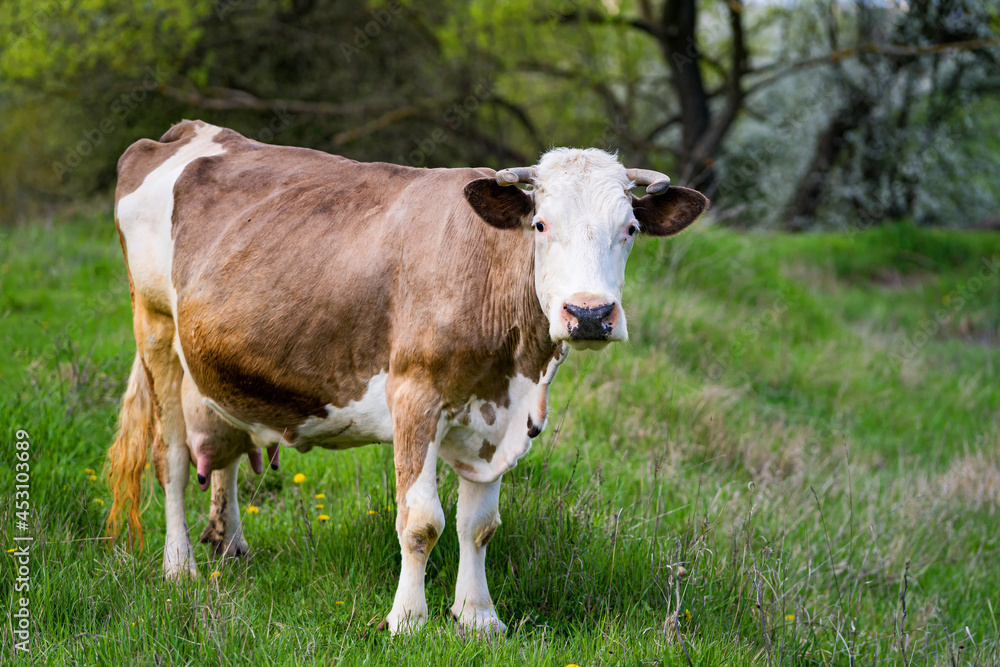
x,y
501,206
670,212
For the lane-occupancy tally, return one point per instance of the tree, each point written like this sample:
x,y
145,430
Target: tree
x,y
915,64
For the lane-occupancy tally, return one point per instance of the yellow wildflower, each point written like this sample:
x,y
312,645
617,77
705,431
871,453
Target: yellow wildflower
x,y
320,506
99,501
299,478
252,509
323,517
93,478
687,614
214,575
790,617
340,602
10,551
372,512
320,496
89,471
147,467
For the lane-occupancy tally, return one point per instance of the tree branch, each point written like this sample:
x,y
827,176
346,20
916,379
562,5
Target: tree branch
x,y
598,18
868,49
374,125
522,117
228,99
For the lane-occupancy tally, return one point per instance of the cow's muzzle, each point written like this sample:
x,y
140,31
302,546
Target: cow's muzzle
x,y
586,322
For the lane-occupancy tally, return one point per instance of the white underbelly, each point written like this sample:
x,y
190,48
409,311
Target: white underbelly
x,y
361,422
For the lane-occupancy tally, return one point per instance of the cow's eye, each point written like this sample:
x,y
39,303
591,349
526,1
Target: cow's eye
x,y
632,229
540,226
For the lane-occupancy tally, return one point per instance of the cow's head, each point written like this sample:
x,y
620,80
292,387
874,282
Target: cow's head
x,y
584,220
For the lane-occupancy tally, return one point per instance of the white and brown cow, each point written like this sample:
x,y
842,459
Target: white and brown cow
x,y
287,297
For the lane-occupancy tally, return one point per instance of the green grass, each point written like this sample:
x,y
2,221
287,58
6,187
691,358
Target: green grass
x,y
788,423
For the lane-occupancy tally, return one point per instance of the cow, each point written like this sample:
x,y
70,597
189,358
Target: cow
x,y
286,297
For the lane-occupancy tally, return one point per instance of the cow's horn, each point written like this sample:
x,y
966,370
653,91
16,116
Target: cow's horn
x,y
655,182
516,175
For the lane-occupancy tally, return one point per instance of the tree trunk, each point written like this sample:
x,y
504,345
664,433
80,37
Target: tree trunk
x,y
680,50
802,207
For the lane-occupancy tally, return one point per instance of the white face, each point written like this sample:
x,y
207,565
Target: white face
x,y
583,229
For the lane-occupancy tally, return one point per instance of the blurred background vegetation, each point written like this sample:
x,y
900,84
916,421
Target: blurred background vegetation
x,y
796,114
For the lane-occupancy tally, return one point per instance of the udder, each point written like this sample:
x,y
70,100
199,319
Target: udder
x,y
214,443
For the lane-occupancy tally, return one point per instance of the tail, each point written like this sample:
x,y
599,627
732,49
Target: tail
x,y
127,456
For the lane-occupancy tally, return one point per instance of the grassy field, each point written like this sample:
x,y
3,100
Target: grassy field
x,y
795,461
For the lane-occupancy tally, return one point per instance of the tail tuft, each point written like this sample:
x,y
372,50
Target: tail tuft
x,y
127,456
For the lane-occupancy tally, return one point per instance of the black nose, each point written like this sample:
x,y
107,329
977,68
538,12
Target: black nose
x,y
591,323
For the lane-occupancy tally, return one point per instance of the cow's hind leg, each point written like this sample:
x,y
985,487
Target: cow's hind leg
x,y
417,433
224,531
477,519
154,333
216,447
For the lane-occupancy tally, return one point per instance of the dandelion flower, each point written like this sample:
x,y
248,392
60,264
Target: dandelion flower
x,y
252,509
214,575
10,551
340,602
320,496
388,507
299,478
323,517
89,471
147,467
93,478
687,614
99,501
370,512
320,506
790,617
572,665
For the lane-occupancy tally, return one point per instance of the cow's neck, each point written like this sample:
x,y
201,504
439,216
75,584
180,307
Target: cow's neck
x,y
521,324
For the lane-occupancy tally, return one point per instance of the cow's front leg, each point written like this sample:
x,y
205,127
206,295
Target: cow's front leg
x,y
223,531
477,519
417,432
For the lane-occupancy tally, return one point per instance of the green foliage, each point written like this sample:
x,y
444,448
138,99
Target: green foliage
x,y
767,428
460,83
60,44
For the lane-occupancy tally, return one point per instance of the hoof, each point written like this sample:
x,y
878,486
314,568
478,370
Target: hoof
x,y
223,546
479,623
178,560
398,623
181,575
